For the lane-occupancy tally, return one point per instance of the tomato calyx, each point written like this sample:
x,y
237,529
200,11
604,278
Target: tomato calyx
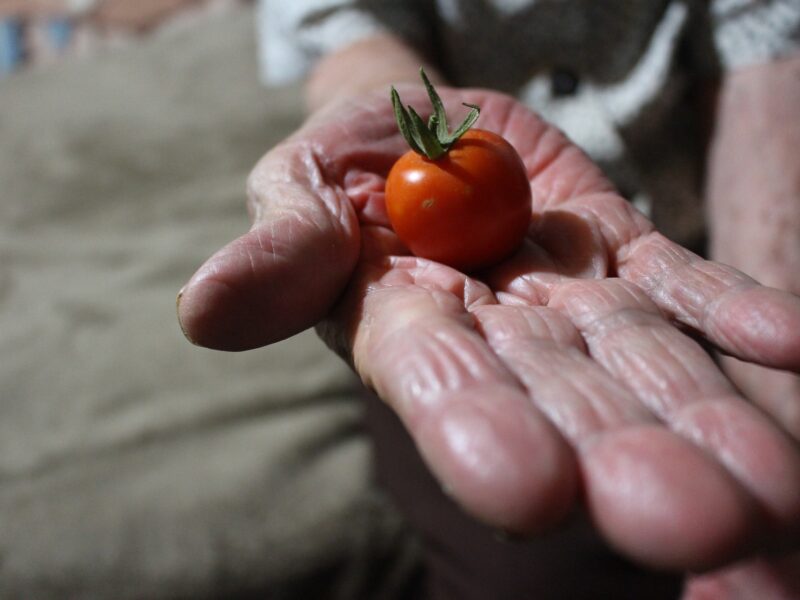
x,y
432,139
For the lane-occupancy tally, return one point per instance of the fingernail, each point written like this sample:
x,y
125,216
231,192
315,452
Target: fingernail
x,y
178,312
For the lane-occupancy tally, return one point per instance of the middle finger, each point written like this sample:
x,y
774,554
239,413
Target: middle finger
x,y
676,379
646,487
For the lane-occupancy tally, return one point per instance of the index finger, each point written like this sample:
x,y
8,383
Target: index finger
x,y
406,324
730,309
741,317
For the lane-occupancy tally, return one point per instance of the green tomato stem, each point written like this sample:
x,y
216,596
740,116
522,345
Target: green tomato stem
x,y
432,139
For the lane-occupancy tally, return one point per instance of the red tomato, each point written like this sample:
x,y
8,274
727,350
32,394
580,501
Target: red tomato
x,y
469,208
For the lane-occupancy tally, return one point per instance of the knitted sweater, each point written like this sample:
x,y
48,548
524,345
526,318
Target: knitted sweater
x,y
619,77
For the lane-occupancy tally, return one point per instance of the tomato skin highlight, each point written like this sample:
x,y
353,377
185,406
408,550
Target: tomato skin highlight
x,y
468,209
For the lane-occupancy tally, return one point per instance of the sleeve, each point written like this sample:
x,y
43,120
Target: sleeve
x,y
749,32
293,35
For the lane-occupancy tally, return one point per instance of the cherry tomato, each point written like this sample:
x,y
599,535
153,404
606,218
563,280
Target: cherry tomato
x,y
469,208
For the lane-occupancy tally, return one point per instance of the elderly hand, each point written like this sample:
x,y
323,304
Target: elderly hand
x,y
569,373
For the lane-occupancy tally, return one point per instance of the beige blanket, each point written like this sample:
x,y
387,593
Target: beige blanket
x,y
132,464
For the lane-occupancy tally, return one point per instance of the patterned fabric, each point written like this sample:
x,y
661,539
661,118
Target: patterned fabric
x,y
617,76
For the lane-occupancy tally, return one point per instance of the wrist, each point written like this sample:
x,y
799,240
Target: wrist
x,y
374,63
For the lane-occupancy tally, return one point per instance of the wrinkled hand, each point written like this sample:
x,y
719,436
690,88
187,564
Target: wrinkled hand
x,y
567,373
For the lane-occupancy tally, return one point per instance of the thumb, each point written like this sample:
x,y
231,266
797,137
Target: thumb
x,y
283,275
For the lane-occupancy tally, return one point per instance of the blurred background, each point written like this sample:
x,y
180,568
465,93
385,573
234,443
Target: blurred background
x,y
132,464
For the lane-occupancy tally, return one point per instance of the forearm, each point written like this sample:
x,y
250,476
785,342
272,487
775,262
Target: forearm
x,y
753,188
378,61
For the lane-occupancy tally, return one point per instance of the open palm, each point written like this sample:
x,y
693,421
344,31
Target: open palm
x,y
569,372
